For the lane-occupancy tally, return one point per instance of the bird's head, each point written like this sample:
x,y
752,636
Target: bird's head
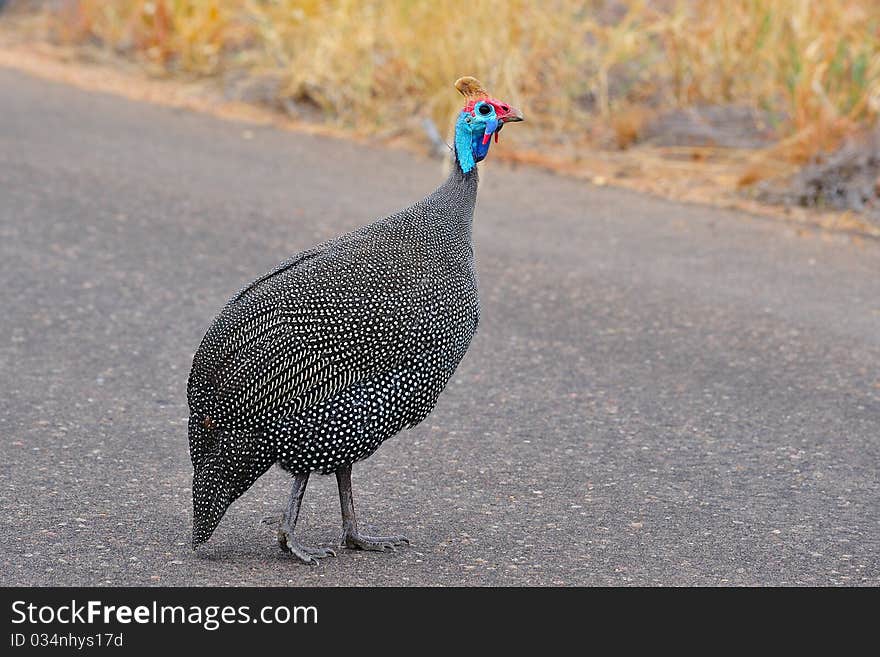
x,y
225,465
212,495
479,121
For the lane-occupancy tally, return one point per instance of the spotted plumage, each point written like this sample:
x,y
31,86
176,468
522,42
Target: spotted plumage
x,y
315,364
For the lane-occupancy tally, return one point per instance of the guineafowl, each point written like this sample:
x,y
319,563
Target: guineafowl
x,y
315,364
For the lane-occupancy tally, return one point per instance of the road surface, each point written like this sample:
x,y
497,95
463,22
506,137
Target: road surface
x,y
658,394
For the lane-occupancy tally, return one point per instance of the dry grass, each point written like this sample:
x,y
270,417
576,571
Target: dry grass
x,y
815,64
586,73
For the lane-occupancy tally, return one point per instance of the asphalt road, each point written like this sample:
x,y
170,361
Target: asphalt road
x,y
658,394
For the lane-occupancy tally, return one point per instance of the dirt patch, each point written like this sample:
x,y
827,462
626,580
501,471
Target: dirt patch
x,y
847,179
728,126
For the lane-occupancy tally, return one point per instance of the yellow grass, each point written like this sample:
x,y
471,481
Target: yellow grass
x,y
584,72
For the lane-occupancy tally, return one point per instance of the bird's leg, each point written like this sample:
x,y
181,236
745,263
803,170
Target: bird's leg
x,y
308,556
351,538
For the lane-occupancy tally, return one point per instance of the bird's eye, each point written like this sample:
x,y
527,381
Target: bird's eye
x,y
484,109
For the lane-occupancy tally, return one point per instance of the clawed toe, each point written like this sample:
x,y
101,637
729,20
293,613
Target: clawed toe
x,y
320,553
306,555
373,543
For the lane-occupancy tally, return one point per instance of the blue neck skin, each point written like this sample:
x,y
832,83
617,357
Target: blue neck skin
x,y
469,137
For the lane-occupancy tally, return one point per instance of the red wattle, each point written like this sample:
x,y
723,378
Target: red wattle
x,y
486,139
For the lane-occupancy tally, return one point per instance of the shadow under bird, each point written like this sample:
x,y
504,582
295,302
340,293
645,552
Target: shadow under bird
x,y
315,364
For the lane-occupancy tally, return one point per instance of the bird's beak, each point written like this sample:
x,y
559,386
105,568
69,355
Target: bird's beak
x,y
511,116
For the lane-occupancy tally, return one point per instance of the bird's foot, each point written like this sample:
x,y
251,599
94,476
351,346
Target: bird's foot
x,y
375,543
306,555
